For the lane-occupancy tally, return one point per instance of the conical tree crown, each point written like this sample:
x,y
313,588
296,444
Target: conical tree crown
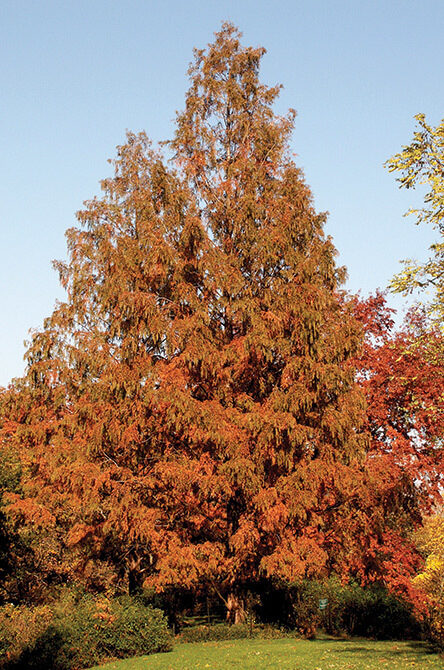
x,y
275,278
207,414
234,151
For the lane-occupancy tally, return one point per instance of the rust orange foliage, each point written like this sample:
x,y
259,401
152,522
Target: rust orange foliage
x,y
190,414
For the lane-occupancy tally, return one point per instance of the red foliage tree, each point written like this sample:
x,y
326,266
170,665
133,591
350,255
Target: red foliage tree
x,y
402,375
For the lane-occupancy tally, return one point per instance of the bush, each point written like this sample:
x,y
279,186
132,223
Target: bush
x,y
351,610
81,633
219,631
225,631
293,607
20,627
369,612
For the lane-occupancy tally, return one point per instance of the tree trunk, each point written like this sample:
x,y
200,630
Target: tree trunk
x,y
134,574
235,609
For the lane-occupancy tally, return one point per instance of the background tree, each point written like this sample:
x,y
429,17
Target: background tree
x,y
422,163
430,540
403,382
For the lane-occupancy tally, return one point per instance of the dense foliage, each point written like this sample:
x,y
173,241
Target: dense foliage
x,y
188,415
78,632
349,609
403,382
207,409
430,539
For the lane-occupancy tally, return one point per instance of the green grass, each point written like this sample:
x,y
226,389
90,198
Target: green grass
x,y
289,654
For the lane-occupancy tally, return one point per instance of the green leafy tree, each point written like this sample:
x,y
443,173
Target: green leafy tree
x,y
422,163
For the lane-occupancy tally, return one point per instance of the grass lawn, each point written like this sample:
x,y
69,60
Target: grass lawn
x,y
288,654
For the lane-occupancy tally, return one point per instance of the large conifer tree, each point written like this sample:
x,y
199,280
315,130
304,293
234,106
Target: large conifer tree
x,y
190,415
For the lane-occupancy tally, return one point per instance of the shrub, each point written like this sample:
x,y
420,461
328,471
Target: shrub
x,y
293,607
87,632
369,612
225,631
20,626
219,631
351,610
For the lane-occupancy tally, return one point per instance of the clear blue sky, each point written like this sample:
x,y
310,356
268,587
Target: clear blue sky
x,y
76,74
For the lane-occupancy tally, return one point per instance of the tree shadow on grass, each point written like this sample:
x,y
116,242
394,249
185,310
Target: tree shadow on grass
x,y
413,648
426,647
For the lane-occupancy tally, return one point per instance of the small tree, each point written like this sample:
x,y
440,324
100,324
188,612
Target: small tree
x,y
430,540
